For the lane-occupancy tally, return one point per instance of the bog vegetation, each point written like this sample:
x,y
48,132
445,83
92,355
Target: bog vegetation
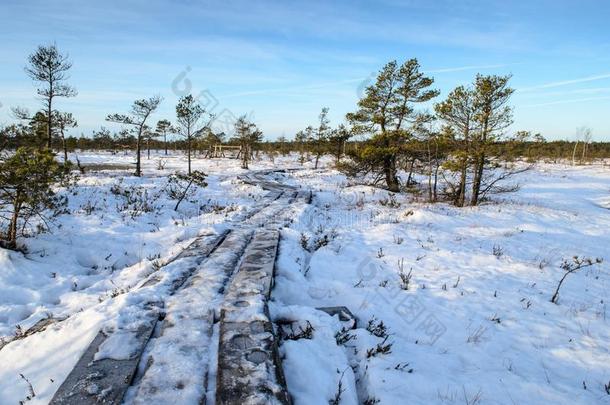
x,y
402,124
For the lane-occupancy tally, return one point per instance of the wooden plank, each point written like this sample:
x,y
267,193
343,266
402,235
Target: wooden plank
x,y
344,313
249,367
103,381
106,380
193,318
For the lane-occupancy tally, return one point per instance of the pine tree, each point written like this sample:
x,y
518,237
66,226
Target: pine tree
x,y
476,117
38,130
493,116
48,66
32,128
338,138
320,135
164,127
189,115
246,135
64,121
387,111
26,180
283,145
301,140
141,110
457,112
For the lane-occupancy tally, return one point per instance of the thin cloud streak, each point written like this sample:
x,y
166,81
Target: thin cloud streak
x,y
462,68
592,90
577,100
566,82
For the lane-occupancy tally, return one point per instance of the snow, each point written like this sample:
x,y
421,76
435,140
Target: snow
x,y
120,345
313,367
475,325
494,334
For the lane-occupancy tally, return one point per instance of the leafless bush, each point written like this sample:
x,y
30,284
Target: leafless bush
x,y
570,267
405,278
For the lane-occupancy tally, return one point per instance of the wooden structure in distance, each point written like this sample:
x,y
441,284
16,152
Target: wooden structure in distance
x,y
219,150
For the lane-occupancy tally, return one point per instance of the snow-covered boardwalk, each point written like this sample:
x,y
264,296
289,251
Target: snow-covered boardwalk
x,y
165,342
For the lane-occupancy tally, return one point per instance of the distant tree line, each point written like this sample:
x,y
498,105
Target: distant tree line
x,y
461,147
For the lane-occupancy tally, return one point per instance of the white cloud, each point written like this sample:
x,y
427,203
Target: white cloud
x,y
566,82
569,101
462,68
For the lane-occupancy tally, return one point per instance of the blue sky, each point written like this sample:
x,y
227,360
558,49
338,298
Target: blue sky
x,y
281,62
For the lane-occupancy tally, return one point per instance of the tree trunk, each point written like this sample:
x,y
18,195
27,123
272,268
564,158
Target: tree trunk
x,y
479,164
429,172
138,150
461,195
183,195
478,175
390,175
188,151
165,143
49,117
339,153
244,159
63,144
435,184
574,154
410,172
12,229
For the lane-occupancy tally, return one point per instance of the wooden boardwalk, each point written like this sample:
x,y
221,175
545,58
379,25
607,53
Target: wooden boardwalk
x,y
248,365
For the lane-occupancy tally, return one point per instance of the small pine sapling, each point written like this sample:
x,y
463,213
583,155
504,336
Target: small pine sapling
x,y
27,180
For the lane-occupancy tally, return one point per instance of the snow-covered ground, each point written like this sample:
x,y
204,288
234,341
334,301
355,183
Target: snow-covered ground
x,y
475,324
118,225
